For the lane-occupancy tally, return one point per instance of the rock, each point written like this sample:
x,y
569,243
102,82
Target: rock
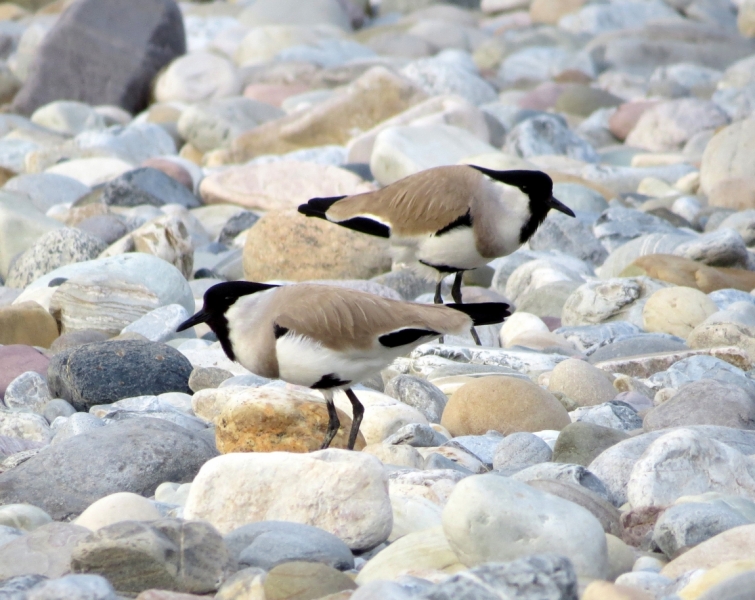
x,y
581,442
203,378
167,553
685,272
510,529
86,57
547,134
417,435
281,185
28,393
732,544
667,126
320,12
54,249
426,549
704,402
27,323
637,345
292,579
735,192
505,404
367,101
734,586
75,587
16,359
146,186
132,456
98,374
581,382
197,77
722,248
619,225
436,76
26,425
287,245
67,117
420,394
23,517
122,506
91,171
519,451
550,11
160,324
571,474
46,189
76,424
351,487
676,310
45,551
273,420
20,584
107,228
683,526
270,543
603,590
570,236
695,368
404,150
683,462
723,162
616,415
713,334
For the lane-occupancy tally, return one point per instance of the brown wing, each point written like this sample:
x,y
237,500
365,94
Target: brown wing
x,y
341,318
418,204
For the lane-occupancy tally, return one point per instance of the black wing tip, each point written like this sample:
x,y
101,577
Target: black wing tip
x,y
317,207
484,313
404,337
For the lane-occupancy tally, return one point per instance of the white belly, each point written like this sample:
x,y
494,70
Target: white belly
x,y
455,249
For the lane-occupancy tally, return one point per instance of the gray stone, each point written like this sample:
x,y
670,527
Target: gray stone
x,y
8,534
250,380
580,198
588,338
270,543
704,402
160,324
580,442
23,516
635,345
184,556
619,225
596,19
76,424
73,587
736,587
650,582
47,189
437,76
407,283
545,135
55,249
99,55
75,339
418,393
235,225
519,451
726,297
108,228
327,53
435,461
541,576
28,392
417,435
616,415
650,243
134,456
682,526
14,588
575,474
482,447
563,233
548,300
25,425
133,144
202,378
720,248
147,186
99,374
743,222
45,551
695,368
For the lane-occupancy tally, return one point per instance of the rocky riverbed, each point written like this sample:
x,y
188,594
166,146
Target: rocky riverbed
x,y
598,446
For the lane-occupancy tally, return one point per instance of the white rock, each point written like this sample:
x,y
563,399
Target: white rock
x,y
412,513
68,117
27,426
122,506
160,324
133,144
490,518
536,273
198,76
28,393
343,492
91,171
438,76
518,323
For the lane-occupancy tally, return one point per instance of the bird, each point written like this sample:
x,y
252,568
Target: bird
x,y
325,337
448,219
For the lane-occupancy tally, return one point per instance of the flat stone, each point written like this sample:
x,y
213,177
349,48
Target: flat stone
x,y
45,551
635,345
547,135
614,414
561,232
46,189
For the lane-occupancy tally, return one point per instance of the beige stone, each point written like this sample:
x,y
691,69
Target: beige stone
x,y
746,18
551,11
27,323
582,382
621,557
505,404
699,585
603,590
731,545
288,245
122,506
716,335
729,154
280,185
689,273
304,581
737,193
400,455
676,310
643,366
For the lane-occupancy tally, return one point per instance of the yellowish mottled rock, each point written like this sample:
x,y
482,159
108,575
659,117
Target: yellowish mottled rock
x,y
304,581
582,382
551,11
603,590
715,335
27,323
676,310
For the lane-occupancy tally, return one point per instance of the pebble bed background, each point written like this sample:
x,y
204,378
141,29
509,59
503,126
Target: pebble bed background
x,y
599,445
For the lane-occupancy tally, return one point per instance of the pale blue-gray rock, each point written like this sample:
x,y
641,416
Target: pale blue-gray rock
x,y
616,415
597,19
542,63
721,248
652,583
14,588
28,393
250,380
418,393
518,451
147,186
134,144
633,345
108,228
437,76
47,189
160,324
407,283
270,543
619,225
695,368
738,312
563,233
737,102
76,424
46,551
588,338
8,534
545,135
580,198
73,587
436,461
743,222
417,435
625,179
326,53
575,474
650,243
482,447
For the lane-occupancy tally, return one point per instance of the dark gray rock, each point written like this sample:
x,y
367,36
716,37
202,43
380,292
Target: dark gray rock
x,y
418,393
73,587
54,249
682,526
104,372
168,554
57,407
737,587
235,225
132,456
541,576
147,186
270,543
104,52
14,588
579,443
566,234
704,402
46,551
519,451
619,225
634,345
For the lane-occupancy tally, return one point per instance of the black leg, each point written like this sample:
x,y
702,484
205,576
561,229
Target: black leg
x,y
333,422
438,298
456,295
357,414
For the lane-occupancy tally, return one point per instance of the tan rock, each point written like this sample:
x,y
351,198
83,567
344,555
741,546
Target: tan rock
x,y
277,420
626,116
676,310
304,581
582,382
288,245
27,323
603,590
728,155
274,93
699,585
715,335
737,193
505,404
121,506
551,11
279,185
731,545
686,272
372,98
166,595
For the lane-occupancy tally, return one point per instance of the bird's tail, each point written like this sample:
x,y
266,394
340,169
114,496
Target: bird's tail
x,y
484,313
317,207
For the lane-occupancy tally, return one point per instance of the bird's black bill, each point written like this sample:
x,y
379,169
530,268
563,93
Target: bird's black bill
x,y
560,206
200,317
